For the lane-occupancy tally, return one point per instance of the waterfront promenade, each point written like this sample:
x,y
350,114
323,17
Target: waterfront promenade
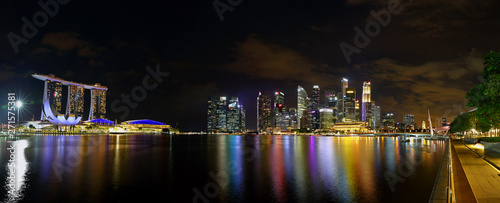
x,y
482,177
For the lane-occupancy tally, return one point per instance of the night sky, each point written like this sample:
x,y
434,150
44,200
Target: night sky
x,y
427,56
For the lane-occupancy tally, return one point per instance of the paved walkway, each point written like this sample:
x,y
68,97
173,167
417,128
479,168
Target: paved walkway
x,y
484,180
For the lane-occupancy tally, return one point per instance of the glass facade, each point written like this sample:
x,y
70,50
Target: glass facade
x,y
350,104
76,100
315,107
301,107
263,112
365,101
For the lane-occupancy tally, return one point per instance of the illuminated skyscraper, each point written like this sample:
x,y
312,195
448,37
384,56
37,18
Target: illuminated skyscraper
x,y
52,99
279,107
212,115
301,106
376,117
263,112
221,114
409,120
53,92
293,118
331,101
388,121
233,115
357,110
98,103
365,101
75,100
243,119
343,110
350,104
326,115
423,125
315,107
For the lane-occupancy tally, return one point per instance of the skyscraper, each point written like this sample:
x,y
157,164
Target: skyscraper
x,y
263,112
350,104
315,107
75,100
331,101
233,115
293,118
326,115
98,103
329,98
221,114
388,121
243,119
376,117
357,110
301,106
423,125
212,115
53,90
409,120
279,107
365,100
342,111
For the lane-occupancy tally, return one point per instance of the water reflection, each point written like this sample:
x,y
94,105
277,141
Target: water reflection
x,y
345,169
226,168
16,168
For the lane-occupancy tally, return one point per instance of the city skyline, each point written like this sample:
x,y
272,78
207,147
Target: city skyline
x,y
415,62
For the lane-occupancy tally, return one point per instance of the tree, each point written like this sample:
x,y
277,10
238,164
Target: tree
x,y
486,96
462,123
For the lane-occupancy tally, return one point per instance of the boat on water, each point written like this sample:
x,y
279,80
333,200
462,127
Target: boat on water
x,y
252,133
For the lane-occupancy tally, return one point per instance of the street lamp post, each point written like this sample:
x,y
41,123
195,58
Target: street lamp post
x,y
19,104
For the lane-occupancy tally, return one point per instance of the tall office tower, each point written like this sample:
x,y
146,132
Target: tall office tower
x,y
423,125
326,115
315,107
98,103
263,112
376,118
279,107
331,102
75,100
293,118
309,114
343,110
329,98
365,100
212,115
233,115
301,106
243,119
222,114
357,110
283,120
388,121
370,110
350,104
409,120
53,92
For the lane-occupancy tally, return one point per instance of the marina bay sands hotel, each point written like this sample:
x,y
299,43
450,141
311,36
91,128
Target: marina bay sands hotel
x,y
52,100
